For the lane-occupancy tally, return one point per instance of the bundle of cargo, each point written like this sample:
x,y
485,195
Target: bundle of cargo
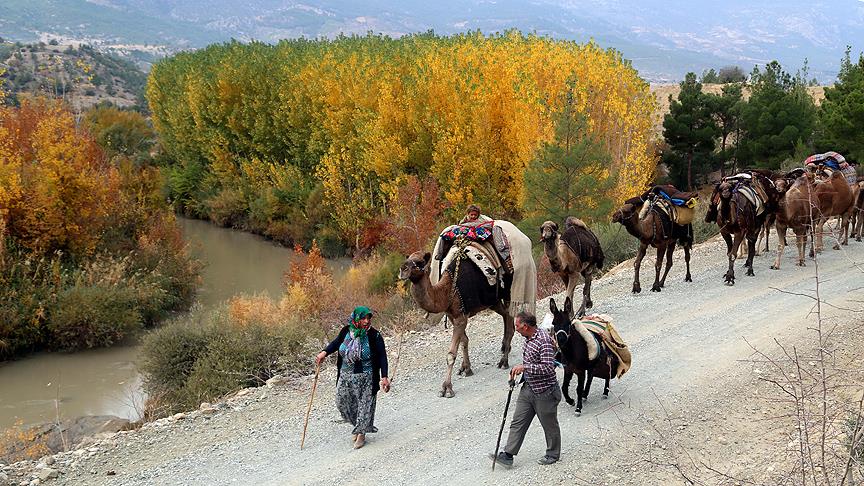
x,y
833,161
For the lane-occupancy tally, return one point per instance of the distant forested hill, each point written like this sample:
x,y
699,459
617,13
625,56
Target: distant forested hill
x,y
81,75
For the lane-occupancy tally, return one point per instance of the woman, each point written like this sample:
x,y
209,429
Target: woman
x,y
361,372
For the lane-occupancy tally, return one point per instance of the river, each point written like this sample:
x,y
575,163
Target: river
x,y
106,381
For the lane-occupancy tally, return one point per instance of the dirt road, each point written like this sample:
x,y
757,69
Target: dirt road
x,y
691,389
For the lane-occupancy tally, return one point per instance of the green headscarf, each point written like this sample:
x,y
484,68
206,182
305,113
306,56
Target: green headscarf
x,y
359,313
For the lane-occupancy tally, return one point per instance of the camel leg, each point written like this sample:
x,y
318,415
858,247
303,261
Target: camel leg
x,y
586,290
658,264
731,253
687,277
801,241
565,387
459,325
643,247
781,243
859,227
580,386
669,250
571,288
465,369
751,252
509,330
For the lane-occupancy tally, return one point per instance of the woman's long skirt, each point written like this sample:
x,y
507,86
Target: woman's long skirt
x,y
355,400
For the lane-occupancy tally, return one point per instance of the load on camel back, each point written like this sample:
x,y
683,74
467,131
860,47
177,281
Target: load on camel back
x,y
679,206
831,161
477,265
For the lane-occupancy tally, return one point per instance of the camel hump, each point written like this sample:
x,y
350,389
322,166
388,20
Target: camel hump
x,y
574,222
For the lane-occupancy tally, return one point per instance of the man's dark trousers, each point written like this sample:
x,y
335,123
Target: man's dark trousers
x,y
545,406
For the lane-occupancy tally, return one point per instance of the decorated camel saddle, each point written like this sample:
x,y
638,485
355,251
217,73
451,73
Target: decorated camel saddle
x,y
679,206
602,330
484,238
746,186
499,249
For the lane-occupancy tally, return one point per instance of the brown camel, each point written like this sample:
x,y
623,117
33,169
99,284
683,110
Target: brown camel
x,y
473,293
738,217
655,229
805,208
836,198
574,252
858,213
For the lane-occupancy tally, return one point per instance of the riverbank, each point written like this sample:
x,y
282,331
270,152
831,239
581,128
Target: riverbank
x,y
697,403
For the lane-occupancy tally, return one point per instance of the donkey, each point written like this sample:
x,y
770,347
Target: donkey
x,y
581,351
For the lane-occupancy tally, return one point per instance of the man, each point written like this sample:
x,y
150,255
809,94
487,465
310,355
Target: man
x,y
540,393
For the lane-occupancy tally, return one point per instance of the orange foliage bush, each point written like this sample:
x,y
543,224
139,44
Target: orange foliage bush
x,y
64,188
19,444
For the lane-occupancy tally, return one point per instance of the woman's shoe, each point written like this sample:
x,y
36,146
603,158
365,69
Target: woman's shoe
x,y
360,441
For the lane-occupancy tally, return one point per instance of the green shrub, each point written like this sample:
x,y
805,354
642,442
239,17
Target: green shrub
x,y
93,316
203,356
618,245
386,276
227,208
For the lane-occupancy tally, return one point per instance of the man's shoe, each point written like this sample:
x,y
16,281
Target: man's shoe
x,y
504,459
546,460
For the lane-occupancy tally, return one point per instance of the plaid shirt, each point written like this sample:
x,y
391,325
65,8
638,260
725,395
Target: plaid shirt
x,y
538,357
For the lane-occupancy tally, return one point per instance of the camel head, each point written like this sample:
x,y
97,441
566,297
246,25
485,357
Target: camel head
x,y
625,212
416,265
725,190
548,231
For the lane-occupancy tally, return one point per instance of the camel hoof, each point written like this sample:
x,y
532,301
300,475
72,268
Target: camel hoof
x,y
836,246
750,272
606,396
469,372
570,401
578,412
636,289
774,267
801,264
447,392
656,288
504,364
688,278
589,304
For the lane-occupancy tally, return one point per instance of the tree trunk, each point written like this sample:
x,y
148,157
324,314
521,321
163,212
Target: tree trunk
x,y
690,171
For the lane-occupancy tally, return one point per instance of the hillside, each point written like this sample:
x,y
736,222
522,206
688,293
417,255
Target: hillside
x,y
664,91
664,40
78,73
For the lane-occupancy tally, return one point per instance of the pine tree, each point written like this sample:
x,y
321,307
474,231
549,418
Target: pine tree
x,y
690,132
779,114
571,174
842,111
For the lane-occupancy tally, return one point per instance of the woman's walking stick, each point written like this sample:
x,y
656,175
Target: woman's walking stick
x,y
309,409
512,384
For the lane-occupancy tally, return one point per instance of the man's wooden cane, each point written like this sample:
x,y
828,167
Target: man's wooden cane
x,y
512,384
309,409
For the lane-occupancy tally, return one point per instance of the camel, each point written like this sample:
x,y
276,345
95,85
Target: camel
x,y
858,213
835,198
574,252
657,230
471,293
576,355
736,216
805,208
